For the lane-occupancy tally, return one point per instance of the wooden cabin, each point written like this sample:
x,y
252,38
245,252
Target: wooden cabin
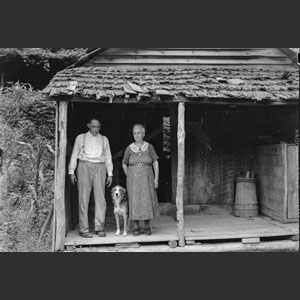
x,y
212,114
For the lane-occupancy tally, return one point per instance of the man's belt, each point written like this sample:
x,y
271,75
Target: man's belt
x,y
96,163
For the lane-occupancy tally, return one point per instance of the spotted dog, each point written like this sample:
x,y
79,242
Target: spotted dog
x,y
120,201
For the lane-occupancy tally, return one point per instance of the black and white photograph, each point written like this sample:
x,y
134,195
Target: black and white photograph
x,y
172,150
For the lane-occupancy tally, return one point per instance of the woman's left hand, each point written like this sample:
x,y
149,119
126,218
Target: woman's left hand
x,y
156,184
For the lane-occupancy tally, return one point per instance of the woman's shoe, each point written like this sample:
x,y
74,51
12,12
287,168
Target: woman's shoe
x,y
148,231
136,231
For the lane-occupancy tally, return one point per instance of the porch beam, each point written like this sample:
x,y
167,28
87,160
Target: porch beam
x,y
243,102
180,173
59,191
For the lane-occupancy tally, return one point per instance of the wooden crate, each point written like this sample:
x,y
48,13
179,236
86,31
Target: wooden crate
x,y
277,181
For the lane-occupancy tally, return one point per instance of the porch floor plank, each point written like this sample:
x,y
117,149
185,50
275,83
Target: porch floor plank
x,y
197,228
163,230
230,227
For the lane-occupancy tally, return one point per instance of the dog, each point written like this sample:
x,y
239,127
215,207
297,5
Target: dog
x,y
120,201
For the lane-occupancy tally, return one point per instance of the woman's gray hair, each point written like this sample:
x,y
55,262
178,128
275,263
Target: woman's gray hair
x,y
140,125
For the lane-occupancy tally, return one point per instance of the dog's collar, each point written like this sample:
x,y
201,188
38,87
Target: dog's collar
x,y
136,149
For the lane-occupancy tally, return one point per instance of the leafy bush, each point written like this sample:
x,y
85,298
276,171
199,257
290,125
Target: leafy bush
x,y
24,110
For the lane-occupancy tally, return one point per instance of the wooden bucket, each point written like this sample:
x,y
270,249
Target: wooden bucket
x,y
246,204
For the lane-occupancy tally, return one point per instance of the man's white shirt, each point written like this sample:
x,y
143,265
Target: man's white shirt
x,y
94,149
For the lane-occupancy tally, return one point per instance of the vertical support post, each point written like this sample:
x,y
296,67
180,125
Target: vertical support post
x,y
59,197
174,147
2,80
55,173
284,149
180,173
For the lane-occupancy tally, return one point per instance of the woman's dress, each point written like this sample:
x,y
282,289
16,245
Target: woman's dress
x,y
142,196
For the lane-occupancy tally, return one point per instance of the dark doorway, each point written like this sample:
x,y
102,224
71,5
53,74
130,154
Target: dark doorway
x,y
117,122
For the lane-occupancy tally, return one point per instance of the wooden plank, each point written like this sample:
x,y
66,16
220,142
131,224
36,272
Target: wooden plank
x,y
270,160
293,181
75,240
273,246
199,101
227,227
237,235
271,171
274,214
273,204
181,173
60,210
251,241
274,194
198,176
270,181
223,220
182,52
144,60
270,150
188,56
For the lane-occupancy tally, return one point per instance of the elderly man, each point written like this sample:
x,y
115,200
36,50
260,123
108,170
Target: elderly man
x,y
92,150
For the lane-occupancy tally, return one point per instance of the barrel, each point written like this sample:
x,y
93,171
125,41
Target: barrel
x,y
246,204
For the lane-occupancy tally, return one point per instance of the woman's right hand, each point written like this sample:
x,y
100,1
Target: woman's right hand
x,y
156,184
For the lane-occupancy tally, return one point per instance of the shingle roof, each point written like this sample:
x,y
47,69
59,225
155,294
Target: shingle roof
x,y
211,82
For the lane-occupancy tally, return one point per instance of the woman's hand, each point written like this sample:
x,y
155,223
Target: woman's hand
x,y
73,179
156,183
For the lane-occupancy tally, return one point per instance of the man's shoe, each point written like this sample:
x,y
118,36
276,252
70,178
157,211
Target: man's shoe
x,y
86,235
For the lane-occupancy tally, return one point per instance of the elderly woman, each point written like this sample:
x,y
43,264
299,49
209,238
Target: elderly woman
x,y
139,161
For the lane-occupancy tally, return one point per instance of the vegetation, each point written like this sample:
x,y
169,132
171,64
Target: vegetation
x,y
36,65
27,128
26,197
41,56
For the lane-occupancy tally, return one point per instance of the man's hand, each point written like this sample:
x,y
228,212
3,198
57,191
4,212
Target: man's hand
x,y
73,179
109,181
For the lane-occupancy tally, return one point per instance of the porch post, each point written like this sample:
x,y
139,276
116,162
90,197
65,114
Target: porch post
x,y
55,174
2,80
180,173
59,191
